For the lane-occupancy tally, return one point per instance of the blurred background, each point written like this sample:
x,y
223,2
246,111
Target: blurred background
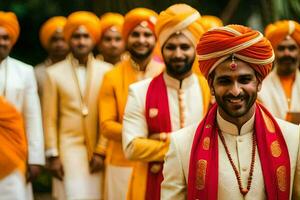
x,y
32,13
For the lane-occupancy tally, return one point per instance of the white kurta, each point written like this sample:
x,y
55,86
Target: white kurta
x,y
176,166
135,125
273,97
18,85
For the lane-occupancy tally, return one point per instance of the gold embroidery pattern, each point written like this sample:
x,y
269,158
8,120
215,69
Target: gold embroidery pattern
x,y
201,174
275,149
208,126
206,143
281,178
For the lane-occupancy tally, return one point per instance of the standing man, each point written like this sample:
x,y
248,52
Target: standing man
x,y
52,39
156,107
281,89
71,111
13,152
18,86
138,33
111,45
239,150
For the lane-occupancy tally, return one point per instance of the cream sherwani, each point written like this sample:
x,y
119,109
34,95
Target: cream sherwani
x,y
18,85
273,97
176,166
71,124
135,125
41,75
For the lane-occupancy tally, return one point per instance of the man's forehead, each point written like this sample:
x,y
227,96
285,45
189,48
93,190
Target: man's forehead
x,y
141,29
179,38
3,31
288,41
224,69
81,30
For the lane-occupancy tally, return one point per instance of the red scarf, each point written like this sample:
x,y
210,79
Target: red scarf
x,y
156,101
203,170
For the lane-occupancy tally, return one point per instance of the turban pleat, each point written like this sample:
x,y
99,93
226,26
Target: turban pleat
x,y
83,18
50,27
278,31
246,44
208,22
9,21
109,20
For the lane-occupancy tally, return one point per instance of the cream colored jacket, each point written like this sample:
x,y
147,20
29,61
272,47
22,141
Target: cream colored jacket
x,y
177,160
63,106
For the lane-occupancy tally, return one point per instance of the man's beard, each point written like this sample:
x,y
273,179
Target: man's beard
x,y
140,56
179,71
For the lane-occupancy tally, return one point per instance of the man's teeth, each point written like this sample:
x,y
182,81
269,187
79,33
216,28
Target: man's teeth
x,y
235,100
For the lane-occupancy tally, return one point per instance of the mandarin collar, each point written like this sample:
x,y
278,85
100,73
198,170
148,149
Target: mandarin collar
x,y
177,84
230,128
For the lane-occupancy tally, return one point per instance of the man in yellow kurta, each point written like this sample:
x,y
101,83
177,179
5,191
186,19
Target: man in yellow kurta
x,y
71,112
13,153
280,91
52,39
156,107
138,32
111,44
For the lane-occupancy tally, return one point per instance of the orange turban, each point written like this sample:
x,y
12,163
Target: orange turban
x,y
51,26
278,31
9,21
83,18
209,22
137,16
218,44
109,20
179,17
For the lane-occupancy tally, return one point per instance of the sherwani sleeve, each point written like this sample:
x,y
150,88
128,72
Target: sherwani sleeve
x,y
296,187
33,121
136,144
50,108
174,183
109,125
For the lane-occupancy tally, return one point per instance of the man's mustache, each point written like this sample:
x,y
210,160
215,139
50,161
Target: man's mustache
x,y
287,59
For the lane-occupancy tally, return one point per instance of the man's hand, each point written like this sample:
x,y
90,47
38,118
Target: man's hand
x,y
32,172
54,165
96,163
159,136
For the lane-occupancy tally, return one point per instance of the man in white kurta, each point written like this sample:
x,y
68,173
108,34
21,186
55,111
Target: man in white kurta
x,y
18,86
71,113
142,142
280,91
234,130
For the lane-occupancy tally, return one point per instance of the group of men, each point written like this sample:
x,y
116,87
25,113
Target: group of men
x,y
174,106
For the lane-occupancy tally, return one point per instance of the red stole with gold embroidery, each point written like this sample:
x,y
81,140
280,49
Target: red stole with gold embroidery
x,y
158,120
272,149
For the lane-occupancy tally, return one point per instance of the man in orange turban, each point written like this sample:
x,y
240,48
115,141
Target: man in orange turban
x,y
138,34
70,109
239,144
157,107
13,153
280,91
18,86
52,39
111,45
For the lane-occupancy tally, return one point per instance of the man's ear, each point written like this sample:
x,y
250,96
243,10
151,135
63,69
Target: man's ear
x,y
259,86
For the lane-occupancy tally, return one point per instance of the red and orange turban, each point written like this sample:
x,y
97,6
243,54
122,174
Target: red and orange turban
x,y
218,44
50,27
112,20
138,16
278,31
9,21
83,18
208,22
179,18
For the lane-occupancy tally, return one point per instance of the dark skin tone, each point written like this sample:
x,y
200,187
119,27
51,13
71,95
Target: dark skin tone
x,y
140,44
57,47
81,45
235,91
